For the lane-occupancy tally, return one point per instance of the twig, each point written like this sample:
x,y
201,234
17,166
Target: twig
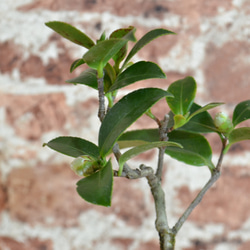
x,y
101,112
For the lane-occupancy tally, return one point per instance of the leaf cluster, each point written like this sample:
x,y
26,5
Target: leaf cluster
x,y
109,61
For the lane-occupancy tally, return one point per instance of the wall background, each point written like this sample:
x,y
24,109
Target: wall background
x,y
39,207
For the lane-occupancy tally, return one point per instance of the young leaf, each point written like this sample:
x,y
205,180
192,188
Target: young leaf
x,y
101,53
120,33
196,150
142,148
137,72
200,122
138,137
237,135
241,112
71,33
97,188
184,91
76,64
87,77
73,146
179,121
151,35
124,113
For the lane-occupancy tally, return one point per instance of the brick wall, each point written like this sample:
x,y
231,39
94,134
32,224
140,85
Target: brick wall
x,y
39,207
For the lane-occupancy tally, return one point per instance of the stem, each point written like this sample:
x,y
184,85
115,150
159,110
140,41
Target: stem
x,y
214,177
101,112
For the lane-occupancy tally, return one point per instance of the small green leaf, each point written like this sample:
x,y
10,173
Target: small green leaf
x,y
97,188
73,146
136,72
241,112
124,113
87,77
71,33
201,122
179,121
142,148
101,53
237,135
196,150
76,64
120,33
138,137
148,37
184,91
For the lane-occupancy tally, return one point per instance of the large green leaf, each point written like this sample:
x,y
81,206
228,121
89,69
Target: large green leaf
x,y
73,146
138,137
142,148
200,122
71,33
137,72
97,188
237,135
184,91
241,112
87,77
196,150
148,37
124,113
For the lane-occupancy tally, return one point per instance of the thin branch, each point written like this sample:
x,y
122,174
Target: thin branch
x,y
214,177
101,112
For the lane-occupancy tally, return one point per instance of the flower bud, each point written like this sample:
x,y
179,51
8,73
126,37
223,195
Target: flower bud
x,y
84,165
223,122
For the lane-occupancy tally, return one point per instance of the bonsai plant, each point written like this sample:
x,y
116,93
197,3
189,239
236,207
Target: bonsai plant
x,y
179,134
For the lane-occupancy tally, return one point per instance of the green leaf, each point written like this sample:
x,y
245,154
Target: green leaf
x,y
200,122
73,146
97,188
98,56
241,112
124,113
205,108
184,91
237,135
196,150
179,121
138,137
148,37
136,72
87,77
120,33
142,148
76,64
71,33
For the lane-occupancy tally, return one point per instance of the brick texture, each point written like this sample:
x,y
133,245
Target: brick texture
x,y
39,205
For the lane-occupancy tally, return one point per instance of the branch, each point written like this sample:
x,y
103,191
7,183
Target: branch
x,y
214,177
101,112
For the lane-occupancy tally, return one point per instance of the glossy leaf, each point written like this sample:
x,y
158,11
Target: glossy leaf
x,y
124,113
241,112
98,56
71,33
237,135
201,122
120,33
142,148
138,137
76,64
184,91
136,72
97,188
73,146
148,37
87,77
196,150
